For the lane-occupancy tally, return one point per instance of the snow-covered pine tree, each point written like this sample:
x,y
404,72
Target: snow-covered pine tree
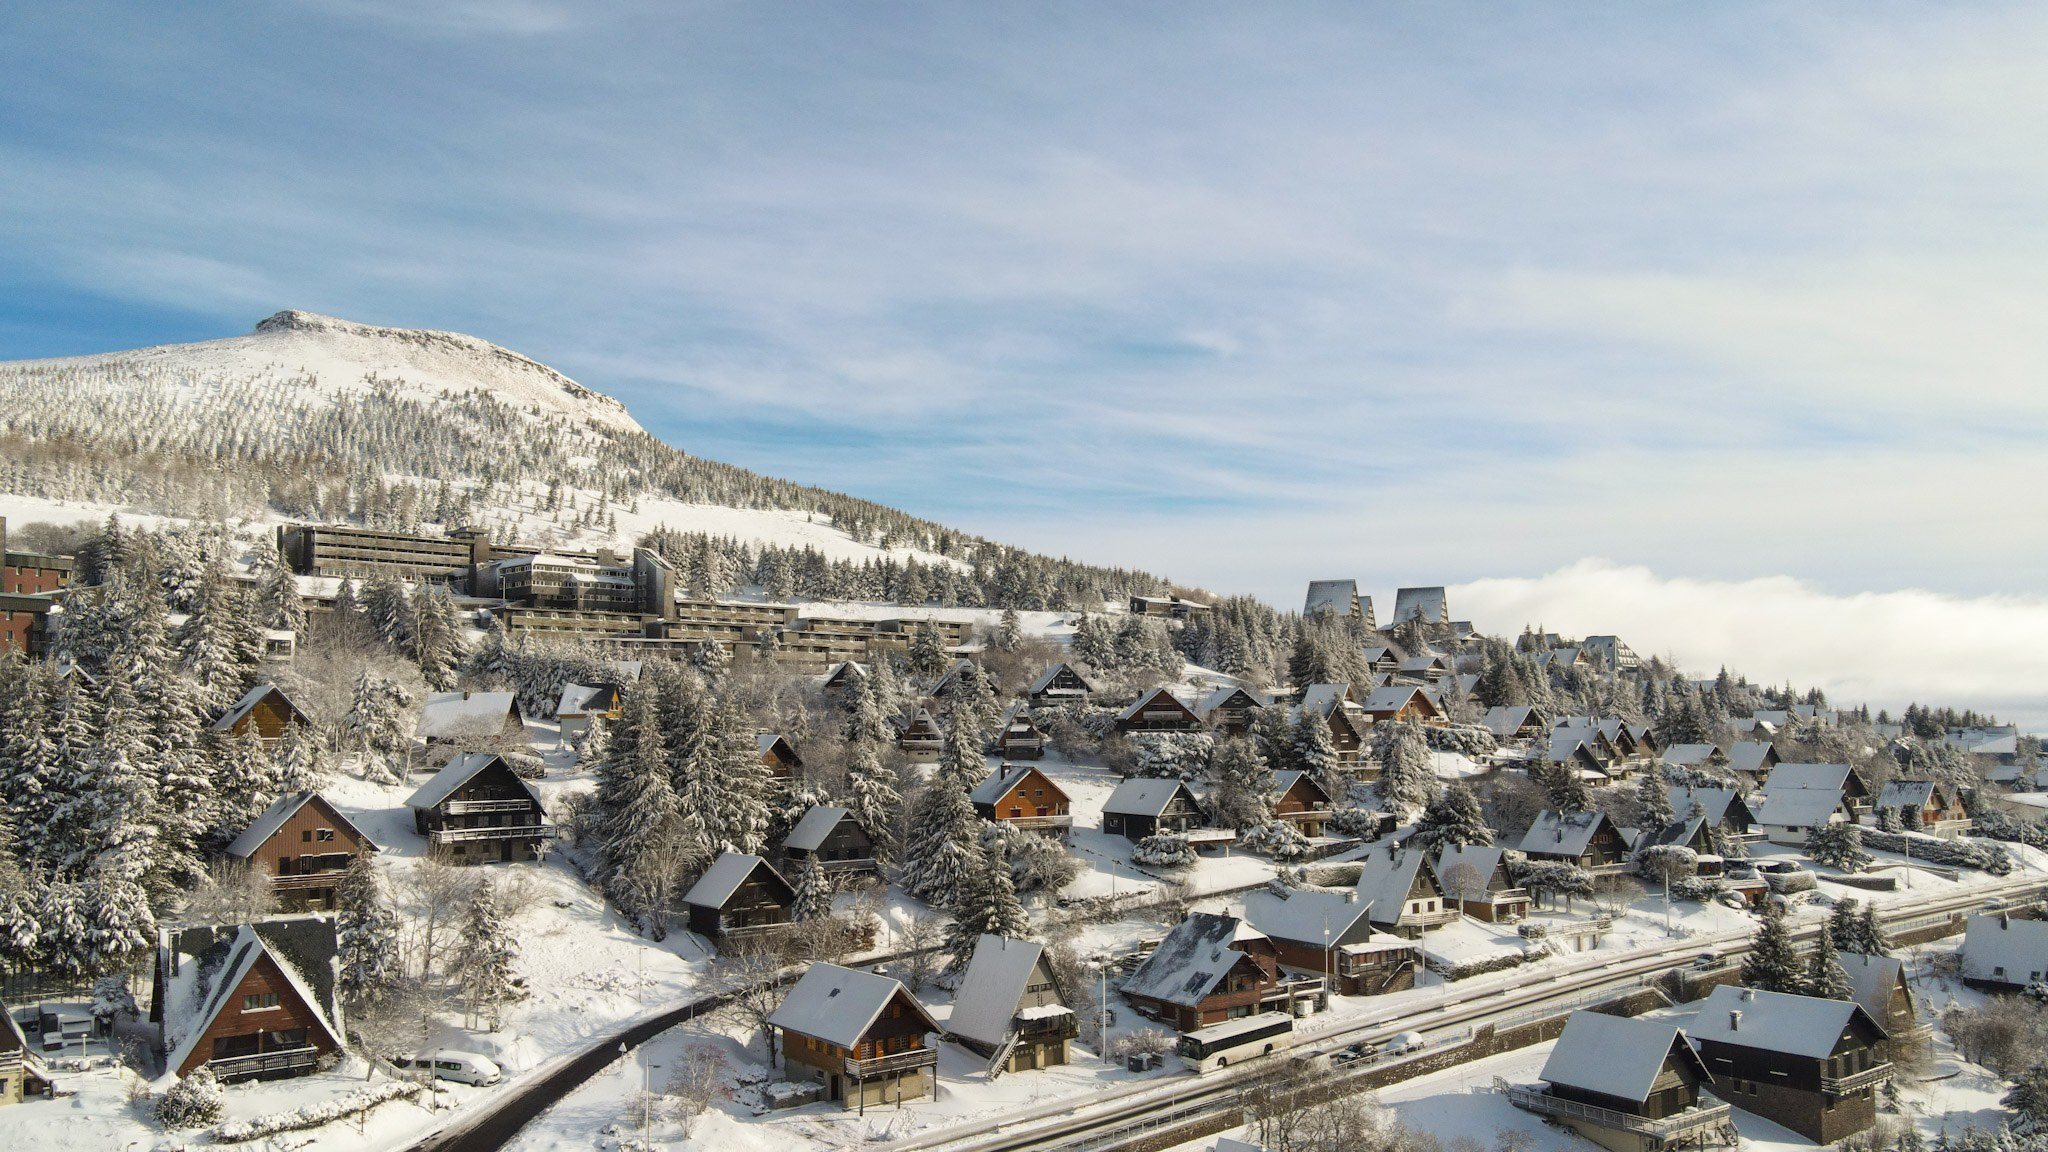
x,y
813,891
484,954
945,842
867,717
1871,938
985,904
1838,846
245,781
348,601
1452,820
278,600
389,609
435,642
32,779
726,788
371,724
1655,797
1562,784
1407,771
1844,928
1272,733
1243,786
122,856
927,651
300,762
1773,964
1825,977
1009,632
367,934
1315,752
872,798
213,644
645,850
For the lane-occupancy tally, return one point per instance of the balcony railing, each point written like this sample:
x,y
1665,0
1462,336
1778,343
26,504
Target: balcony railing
x,y
1431,919
1037,821
466,807
892,1062
301,880
1843,1085
1705,1116
856,864
256,1064
509,832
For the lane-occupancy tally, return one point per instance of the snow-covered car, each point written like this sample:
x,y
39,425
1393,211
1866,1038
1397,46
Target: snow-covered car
x,y
461,1067
1402,1042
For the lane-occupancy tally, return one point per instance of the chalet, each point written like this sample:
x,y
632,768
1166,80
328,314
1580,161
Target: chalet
x,y
1300,801
834,837
863,1037
2001,954
1612,653
1878,985
1809,1064
466,717
1207,970
1330,934
584,705
1606,755
1570,751
305,845
1940,805
1513,722
1587,839
1068,683
21,1071
1754,758
1425,604
1024,797
1838,778
1628,1086
264,710
1402,703
1382,661
1339,598
1495,898
1724,808
1403,891
919,735
1230,710
1643,737
1788,815
777,755
1168,607
844,677
1158,711
480,812
1019,738
956,676
1143,806
1347,723
1011,1009
738,899
248,1001
1691,832
1774,718
1425,668
1695,756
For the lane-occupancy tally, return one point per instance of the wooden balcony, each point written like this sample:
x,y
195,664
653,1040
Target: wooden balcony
x,y
470,807
893,1062
509,832
287,1061
1843,1085
299,882
1432,919
1708,1115
1039,823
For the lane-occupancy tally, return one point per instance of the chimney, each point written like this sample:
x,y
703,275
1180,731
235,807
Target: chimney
x,y
1351,895
1735,1020
2004,921
1749,993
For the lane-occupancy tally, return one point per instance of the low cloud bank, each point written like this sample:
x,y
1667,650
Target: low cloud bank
x,y
1883,648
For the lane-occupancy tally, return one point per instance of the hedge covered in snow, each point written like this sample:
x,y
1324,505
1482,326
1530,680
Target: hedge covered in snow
x,y
1278,839
1473,740
314,1115
1163,852
1981,855
1999,826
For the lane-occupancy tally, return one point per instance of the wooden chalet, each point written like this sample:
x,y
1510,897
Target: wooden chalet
x,y
264,710
1401,703
1068,683
1144,806
1207,970
1230,710
2001,954
1810,1064
1330,935
250,1001
21,1070
1628,1086
1495,898
480,811
1020,738
468,717
1346,720
1939,806
583,706
739,898
844,677
1789,815
1878,985
1383,661
1011,1009
1695,756
1755,759
1514,722
920,736
1302,802
1158,711
1839,778
1405,896
863,1038
1587,839
955,677
1023,797
1571,752
834,837
1724,808
777,755
305,845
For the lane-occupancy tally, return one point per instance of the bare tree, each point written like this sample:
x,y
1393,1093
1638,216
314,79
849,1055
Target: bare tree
x,y
231,892
1463,881
436,892
751,973
698,1082
919,943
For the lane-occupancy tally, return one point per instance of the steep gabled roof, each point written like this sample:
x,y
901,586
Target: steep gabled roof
x,y
1390,699
1190,962
1139,704
1338,596
1005,777
1804,1026
1506,719
576,698
1872,980
1283,781
302,948
1750,756
1690,755
1306,916
265,826
1322,698
465,715
1828,777
1385,879
1914,794
993,986
1080,671
459,772
1993,942
247,704
1563,833
838,1005
724,878
1715,803
1144,796
811,831
1616,1056
1798,807
1484,858
1425,604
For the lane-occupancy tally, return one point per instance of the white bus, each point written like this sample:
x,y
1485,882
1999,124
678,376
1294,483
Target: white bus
x,y
1260,1034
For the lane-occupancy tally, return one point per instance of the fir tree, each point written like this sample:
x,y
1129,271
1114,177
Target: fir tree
x,y
1561,783
645,849
388,609
1009,632
435,639
1272,735
1838,846
485,953
1407,771
1315,752
945,842
371,724
218,645
1773,963
872,798
985,904
813,891
245,780
867,717
1452,820
1243,785
1655,798
278,590
367,935
1871,938
1825,977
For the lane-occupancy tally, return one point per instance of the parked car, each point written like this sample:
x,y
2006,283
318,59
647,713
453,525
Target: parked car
x,y
461,1067
1354,1053
1401,1043
1707,959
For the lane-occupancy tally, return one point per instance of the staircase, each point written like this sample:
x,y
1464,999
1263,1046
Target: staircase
x,y
1000,1062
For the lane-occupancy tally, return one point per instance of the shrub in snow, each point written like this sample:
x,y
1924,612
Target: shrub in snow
x,y
1533,931
1172,754
1363,823
314,1115
1163,852
1786,883
193,1102
1472,740
1698,888
1838,846
1982,855
1470,968
1999,826
1277,838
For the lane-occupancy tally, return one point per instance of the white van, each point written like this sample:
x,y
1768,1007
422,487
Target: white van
x,y
461,1067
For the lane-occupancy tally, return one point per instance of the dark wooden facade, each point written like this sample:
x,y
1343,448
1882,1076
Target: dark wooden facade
x,y
492,817
1304,804
307,854
1794,1090
758,907
1159,711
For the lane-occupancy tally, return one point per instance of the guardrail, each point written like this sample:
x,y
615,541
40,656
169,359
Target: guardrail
x,y
287,1060
508,832
1702,1117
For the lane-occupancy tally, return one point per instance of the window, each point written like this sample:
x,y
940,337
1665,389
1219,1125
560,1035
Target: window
x,y
259,1001
327,834
306,837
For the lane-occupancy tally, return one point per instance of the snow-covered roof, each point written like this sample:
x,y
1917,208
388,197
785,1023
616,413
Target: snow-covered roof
x,y
1282,781
724,878
1142,796
1190,962
1749,755
1139,704
1484,858
1389,699
265,826
1714,802
465,715
1872,980
838,1005
576,698
1506,719
455,775
1218,697
1330,596
1680,831
208,977
993,987
998,782
1912,793
1688,755
811,831
950,675
1991,943
765,742
1771,716
1805,1026
1321,698
1566,741
1828,777
1562,833
1798,807
248,702
1615,1055
1080,671
1306,916
1385,879
1425,604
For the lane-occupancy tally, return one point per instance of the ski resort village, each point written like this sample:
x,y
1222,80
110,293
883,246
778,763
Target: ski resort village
x,y
401,749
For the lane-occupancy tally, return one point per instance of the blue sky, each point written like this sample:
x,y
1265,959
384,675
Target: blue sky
x,y
1417,294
